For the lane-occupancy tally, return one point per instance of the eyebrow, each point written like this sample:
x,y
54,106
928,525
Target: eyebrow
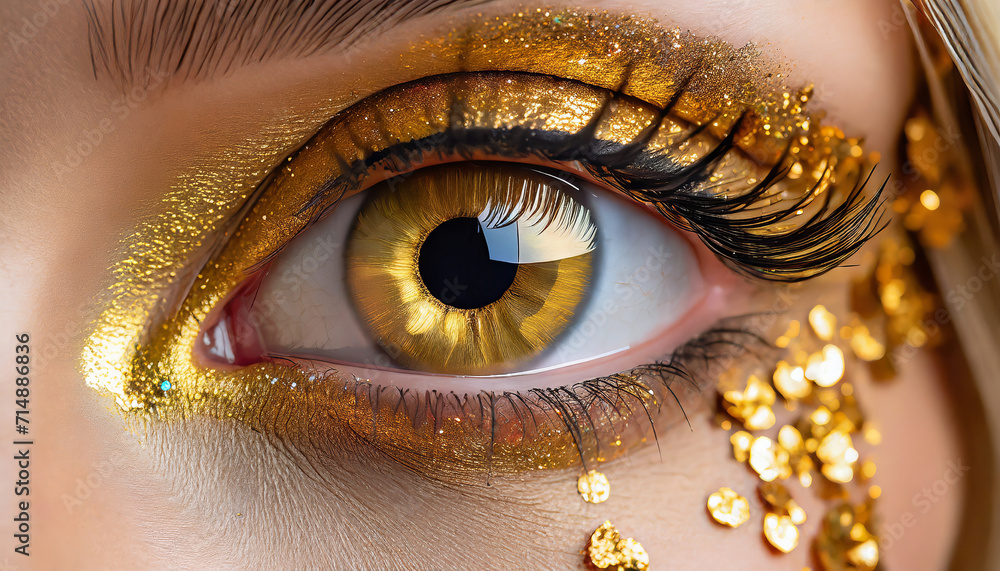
x,y
130,41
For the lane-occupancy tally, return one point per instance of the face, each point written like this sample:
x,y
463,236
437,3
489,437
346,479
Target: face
x,y
452,285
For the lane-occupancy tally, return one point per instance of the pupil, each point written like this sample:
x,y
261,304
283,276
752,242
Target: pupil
x,y
456,267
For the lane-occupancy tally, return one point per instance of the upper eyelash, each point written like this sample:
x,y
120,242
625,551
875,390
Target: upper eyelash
x,y
830,236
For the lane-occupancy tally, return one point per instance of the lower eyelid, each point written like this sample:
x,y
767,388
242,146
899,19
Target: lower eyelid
x,y
458,437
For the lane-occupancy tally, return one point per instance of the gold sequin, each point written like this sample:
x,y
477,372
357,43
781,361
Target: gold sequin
x,y
779,498
729,508
825,368
823,322
753,405
791,381
781,532
593,487
844,542
769,460
607,550
741,441
836,452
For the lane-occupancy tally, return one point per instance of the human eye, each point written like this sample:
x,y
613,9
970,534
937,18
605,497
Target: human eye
x,y
470,268
534,176
504,257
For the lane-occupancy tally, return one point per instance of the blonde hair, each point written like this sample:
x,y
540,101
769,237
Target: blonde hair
x,y
970,32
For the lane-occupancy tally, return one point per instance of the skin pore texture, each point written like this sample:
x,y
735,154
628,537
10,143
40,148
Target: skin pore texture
x,y
205,493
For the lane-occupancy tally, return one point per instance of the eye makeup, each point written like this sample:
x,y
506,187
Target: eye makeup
x,y
700,132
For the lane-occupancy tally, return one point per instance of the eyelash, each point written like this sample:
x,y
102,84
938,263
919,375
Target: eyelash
x,y
578,408
824,241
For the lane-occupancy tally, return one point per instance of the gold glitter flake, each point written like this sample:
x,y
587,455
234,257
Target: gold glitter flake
x,y
823,322
781,532
827,367
769,460
729,508
844,542
753,405
836,452
791,381
780,499
593,487
741,445
607,550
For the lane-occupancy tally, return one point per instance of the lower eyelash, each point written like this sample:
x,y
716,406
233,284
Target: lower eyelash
x,y
603,417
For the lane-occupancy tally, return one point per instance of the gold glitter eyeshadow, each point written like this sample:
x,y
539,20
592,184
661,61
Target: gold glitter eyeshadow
x,y
593,487
728,508
607,550
643,60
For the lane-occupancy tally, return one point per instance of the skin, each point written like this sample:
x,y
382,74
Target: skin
x,y
210,494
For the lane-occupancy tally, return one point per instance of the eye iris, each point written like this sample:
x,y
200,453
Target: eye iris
x,y
467,268
456,267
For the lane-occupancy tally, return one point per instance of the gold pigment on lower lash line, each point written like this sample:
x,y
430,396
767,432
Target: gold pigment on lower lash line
x,y
149,368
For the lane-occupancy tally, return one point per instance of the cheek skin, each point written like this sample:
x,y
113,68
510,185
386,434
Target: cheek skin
x,y
920,445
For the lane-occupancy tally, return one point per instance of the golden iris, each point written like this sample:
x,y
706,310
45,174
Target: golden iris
x,y
470,268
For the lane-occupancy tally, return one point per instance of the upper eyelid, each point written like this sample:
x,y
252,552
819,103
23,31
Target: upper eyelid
x,y
830,234
122,321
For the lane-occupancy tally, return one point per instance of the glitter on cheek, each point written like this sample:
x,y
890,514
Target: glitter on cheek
x,y
729,508
845,542
607,550
753,405
593,487
781,532
818,449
